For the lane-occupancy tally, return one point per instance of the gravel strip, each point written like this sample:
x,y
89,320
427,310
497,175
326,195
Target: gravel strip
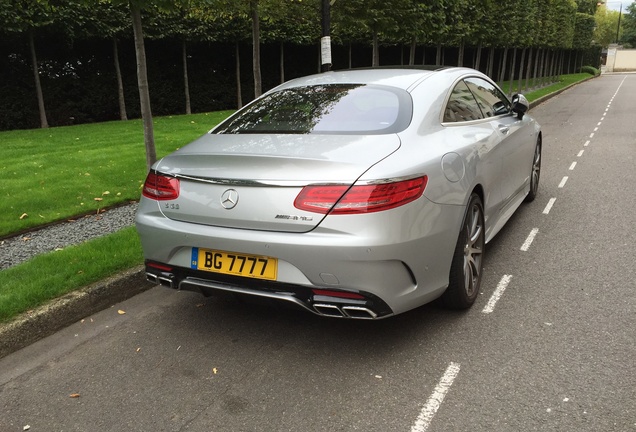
x,y
18,249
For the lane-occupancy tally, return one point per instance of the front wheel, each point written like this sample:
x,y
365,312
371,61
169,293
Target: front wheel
x,y
535,173
466,268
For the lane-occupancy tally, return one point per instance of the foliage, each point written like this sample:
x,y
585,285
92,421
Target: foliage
x,y
590,70
629,26
606,26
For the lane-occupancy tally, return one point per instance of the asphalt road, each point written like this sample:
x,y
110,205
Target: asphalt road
x,y
549,346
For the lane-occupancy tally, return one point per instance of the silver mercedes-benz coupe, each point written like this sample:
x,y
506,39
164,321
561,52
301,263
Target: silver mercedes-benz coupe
x,y
354,194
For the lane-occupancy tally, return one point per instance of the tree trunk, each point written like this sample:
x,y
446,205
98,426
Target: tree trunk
x,y
282,62
256,49
375,61
350,56
491,62
523,60
38,87
528,70
239,96
438,56
142,83
186,84
502,69
478,57
512,71
536,68
412,52
460,54
120,82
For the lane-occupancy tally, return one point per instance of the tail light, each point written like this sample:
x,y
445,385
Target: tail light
x,y
161,187
359,199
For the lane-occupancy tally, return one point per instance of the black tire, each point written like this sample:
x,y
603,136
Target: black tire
x,y
535,174
467,266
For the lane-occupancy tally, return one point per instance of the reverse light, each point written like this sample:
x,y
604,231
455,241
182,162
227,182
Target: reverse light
x,y
359,199
161,187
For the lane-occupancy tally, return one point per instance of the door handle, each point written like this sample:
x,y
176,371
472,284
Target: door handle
x,y
504,129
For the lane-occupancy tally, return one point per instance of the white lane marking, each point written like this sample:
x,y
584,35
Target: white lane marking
x,y
548,207
595,129
580,153
435,401
592,135
501,287
587,143
563,181
572,166
526,245
599,123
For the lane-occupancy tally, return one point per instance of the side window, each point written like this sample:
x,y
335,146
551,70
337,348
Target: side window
x,y
461,105
491,100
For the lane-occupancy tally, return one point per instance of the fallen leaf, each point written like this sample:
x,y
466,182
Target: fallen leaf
x,y
98,199
200,304
121,312
138,349
74,395
26,239
27,427
24,216
105,193
378,376
215,371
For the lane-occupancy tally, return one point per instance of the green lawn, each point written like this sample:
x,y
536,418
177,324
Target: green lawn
x,y
53,174
57,173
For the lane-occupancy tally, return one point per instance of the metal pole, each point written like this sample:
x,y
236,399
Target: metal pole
x,y
325,41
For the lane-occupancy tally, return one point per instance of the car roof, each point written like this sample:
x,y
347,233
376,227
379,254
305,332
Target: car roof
x,y
404,77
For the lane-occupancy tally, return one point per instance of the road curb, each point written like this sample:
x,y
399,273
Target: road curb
x,y
53,316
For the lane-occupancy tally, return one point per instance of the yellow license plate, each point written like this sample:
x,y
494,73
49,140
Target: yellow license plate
x,y
254,266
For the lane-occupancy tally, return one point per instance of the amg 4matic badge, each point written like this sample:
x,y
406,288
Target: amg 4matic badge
x,y
294,217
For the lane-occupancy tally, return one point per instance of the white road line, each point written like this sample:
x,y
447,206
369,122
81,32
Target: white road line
x,y
595,129
572,166
548,207
599,123
565,179
587,143
435,401
592,135
501,287
526,245
580,153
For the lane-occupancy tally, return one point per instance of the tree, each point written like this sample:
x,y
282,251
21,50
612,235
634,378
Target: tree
x,y
28,16
606,26
629,26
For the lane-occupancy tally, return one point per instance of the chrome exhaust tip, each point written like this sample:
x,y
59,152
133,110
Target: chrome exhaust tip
x,y
329,310
165,279
359,312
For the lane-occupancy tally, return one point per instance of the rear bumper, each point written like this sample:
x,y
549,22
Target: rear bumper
x,y
368,306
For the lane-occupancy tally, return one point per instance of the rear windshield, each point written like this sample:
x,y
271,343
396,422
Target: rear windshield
x,y
325,109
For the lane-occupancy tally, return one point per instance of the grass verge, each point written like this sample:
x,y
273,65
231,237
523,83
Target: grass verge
x,y
49,276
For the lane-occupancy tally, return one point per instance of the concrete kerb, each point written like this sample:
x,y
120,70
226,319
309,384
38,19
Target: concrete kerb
x,y
70,308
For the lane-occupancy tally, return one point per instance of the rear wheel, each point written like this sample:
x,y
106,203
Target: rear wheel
x,y
535,173
466,268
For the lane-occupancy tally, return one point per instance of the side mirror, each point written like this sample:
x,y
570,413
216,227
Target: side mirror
x,y
520,105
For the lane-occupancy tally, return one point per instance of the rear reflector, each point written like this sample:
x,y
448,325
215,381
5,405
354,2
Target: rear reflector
x,y
159,266
339,294
160,187
359,199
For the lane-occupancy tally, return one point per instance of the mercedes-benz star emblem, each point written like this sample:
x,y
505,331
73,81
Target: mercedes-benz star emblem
x,y
229,199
